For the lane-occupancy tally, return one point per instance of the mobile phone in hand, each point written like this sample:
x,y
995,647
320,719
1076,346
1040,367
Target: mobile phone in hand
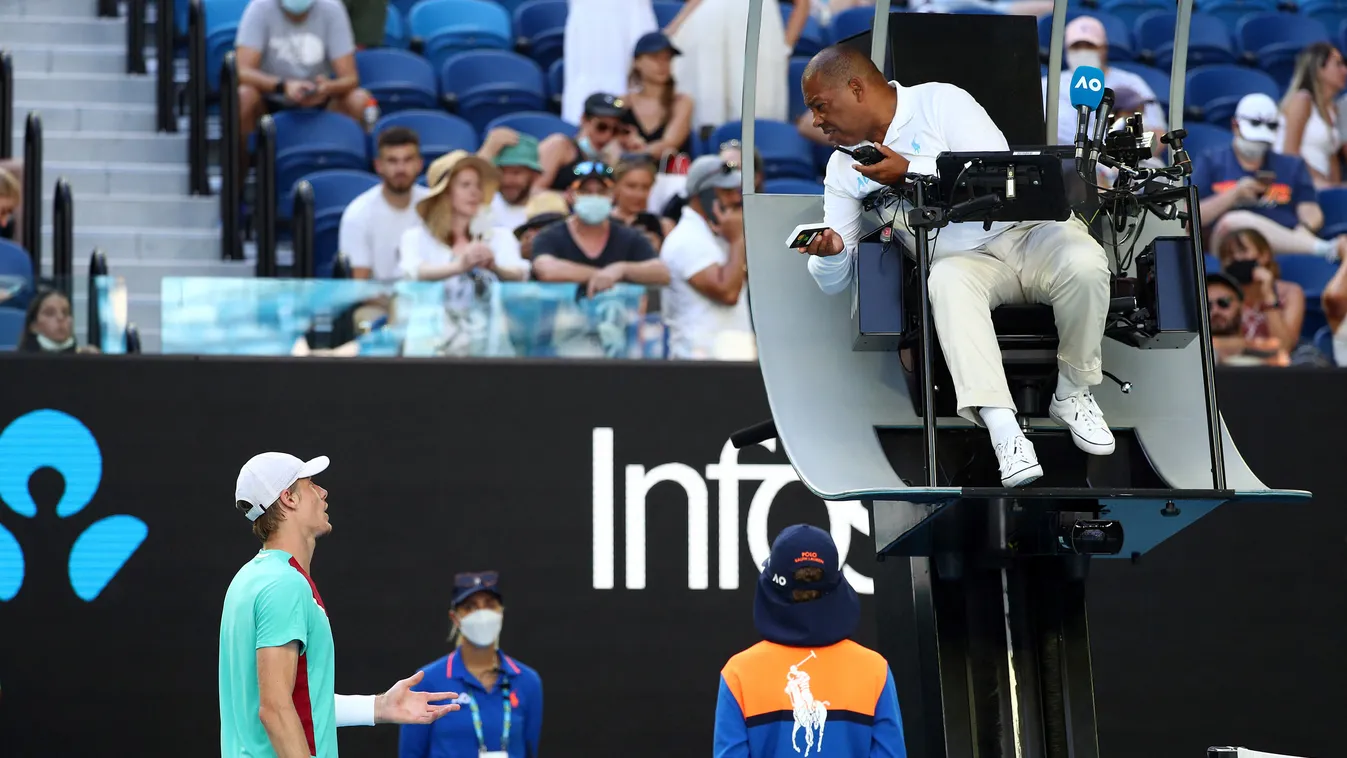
x,y
866,155
804,234
1265,176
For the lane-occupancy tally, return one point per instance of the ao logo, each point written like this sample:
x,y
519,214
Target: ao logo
x,y
52,439
843,516
1092,84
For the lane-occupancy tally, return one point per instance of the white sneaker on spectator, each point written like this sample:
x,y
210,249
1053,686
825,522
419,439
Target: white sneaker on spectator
x,y
1018,461
1080,413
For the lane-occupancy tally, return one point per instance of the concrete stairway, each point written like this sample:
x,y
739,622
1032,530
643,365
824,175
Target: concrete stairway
x,y
129,183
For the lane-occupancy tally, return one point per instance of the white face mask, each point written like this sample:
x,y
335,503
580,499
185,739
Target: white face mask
x,y
1250,150
482,627
1078,58
50,344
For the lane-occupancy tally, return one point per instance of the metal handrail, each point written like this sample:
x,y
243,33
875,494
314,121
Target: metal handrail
x,y
264,214
32,188
98,266
135,36
198,182
6,105
63,239
303,236
165,41
231,183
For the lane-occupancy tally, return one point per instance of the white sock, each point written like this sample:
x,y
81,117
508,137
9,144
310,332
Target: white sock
x,y
1067,388
1001,424
1326,248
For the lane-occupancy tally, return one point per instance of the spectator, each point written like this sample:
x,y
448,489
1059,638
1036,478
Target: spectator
x,y
373,224
732,153
714,34
1248,186
599,37
1309,126
604,131
544,209
516,156
450,246
1334,302
589,248
11,198
707,264
655,100
1225,305
296,54
48,327
1272,307
369,19
502,716
634,177
1086,44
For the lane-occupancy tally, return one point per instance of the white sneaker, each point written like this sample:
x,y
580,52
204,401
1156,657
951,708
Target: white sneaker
x,y
1019,463
1080,413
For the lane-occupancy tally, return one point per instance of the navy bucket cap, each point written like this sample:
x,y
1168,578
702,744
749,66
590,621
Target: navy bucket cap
x,y
816,623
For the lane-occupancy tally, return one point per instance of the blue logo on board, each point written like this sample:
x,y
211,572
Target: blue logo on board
x,y
56,440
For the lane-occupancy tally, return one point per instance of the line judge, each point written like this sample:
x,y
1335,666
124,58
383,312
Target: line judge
x,y
276,653
1056,263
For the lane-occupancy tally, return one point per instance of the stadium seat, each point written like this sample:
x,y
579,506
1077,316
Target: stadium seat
x,y
665,11
1312,273
485,84
446,27
1209,40
309,141
16,275
1213,263
540,26
1272,41
540,124
1157,79
1231,11
11,327
440,132
399,80
1330,13
852,21
556,83
403,6
813,37
797,65
1323,341
1334,204
1119,34
1203,138
1132,10
395,30
785,154
792,187
221,27
333,190
1212,92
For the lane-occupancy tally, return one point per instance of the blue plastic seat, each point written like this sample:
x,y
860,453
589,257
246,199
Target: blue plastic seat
x,y
1330,13
1156,78
16,275
486,84
1212,92
556,83
1213,263
1119,34
665,11
399,80
540,124
1272,41
797,65
1312,273
11,328
221,29
1333,202
333,190
1132,10
792,187
852,21
1204,138
1209,39
1323,341
813,37
440,132
404,6
396,35
785,153
311,140
447,27
540,26
1231,11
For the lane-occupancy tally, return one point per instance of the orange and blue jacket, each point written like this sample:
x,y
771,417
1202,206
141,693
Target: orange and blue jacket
x,y
788,702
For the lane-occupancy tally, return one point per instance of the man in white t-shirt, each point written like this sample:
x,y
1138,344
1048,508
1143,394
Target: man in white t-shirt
x,y
1086,44
374,222
516,155
705,257
973,270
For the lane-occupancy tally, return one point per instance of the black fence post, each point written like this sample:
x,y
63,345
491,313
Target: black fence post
x,y
231,183
303,232
107,8
63,239
135,36
264,215
98,266
341,268
6,105
196,99
32,190
132,340
164,42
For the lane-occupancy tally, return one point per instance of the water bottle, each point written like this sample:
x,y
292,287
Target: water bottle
x,y
652,337
371,114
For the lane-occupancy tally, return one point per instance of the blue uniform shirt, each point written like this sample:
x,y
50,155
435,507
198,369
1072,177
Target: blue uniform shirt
x,y
1218,170
453,736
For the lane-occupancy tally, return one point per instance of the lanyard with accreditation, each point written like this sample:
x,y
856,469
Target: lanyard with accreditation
x,y
504,730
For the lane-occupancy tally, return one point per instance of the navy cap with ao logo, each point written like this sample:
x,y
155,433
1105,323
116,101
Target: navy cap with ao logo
x,y
828,619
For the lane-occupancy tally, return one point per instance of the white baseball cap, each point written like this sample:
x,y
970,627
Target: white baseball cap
x,y
1258,118
266,475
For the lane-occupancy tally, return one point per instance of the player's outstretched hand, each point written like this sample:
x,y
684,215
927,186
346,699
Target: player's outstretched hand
x,y
402,705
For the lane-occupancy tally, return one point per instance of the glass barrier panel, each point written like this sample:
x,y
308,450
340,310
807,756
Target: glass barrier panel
x,y
112,313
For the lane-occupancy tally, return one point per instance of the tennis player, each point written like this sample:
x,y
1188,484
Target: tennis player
x,y
276,654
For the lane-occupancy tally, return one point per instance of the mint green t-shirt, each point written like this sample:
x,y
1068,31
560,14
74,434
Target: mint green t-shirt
x,y
271,602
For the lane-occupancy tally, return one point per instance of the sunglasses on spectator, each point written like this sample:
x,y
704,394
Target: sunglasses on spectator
x,y
730,144
1254,122
1223,302
470,579
590,169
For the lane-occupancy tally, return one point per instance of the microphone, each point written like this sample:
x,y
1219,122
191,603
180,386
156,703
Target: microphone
x,y
1100,126
1087,89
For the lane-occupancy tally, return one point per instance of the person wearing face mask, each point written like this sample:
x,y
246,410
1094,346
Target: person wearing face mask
x,y
589,248
1272,307
1249,186
48,327
1229,327
605,132
501,699
1086,44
